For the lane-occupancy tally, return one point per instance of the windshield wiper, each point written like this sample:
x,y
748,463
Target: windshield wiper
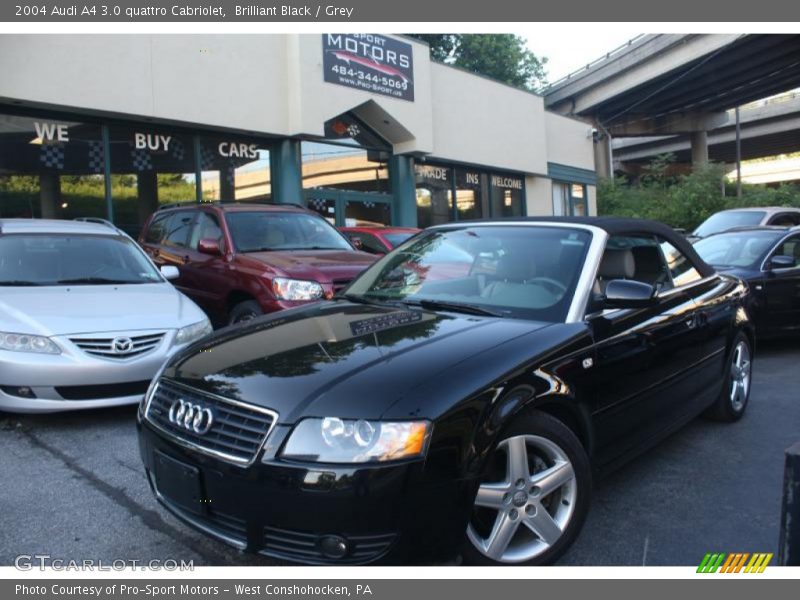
x,y
91,280
21,283
470,309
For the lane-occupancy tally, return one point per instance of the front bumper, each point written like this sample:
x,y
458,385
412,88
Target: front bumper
x,y
389,514
75,380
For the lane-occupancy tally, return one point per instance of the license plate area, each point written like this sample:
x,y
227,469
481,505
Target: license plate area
x,y
179,483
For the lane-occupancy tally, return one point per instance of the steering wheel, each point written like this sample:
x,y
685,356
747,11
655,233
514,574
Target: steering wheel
x,y
552,284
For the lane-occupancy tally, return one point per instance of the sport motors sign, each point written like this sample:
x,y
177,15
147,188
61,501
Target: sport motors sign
x,y
369,62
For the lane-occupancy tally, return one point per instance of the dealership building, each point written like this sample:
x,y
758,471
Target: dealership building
x,y
365,129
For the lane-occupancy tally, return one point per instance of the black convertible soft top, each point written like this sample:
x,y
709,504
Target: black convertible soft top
x,y
625,225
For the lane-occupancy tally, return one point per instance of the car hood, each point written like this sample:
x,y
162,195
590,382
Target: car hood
x,y
324,266
353,360
63,310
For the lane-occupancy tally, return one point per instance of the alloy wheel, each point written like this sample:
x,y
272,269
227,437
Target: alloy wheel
x,y
525,512
740,375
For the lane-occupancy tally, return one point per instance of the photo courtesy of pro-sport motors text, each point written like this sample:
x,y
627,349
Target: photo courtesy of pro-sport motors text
x,y
364,300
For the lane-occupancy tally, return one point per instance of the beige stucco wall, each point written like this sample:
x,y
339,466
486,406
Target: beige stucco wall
x,y
480,121
539,196
569,141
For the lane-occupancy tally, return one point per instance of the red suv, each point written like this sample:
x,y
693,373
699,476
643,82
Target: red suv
x,y
238,261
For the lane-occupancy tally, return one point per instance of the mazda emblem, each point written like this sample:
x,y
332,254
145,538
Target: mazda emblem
x,y
122,345
191,417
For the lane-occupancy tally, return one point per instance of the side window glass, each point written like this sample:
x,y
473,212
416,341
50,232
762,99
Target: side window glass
x,y
371,244
178,230
207,227
790,247
157,229
635,257
680,267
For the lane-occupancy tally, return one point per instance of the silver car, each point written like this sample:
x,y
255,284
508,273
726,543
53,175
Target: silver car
x,y
86,319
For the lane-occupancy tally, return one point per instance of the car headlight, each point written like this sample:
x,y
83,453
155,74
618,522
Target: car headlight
x,y
193,332
22,342
296,289
334,440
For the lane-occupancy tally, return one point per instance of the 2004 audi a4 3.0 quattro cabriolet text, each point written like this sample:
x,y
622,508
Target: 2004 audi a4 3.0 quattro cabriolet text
x,y
458,397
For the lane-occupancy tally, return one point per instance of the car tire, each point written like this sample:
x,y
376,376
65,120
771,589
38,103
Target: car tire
x,y
244,311
556,460
735,393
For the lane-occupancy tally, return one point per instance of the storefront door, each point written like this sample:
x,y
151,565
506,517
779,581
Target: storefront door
x,y
350,209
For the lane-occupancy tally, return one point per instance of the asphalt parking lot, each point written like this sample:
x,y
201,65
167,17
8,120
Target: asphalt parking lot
x,y
73,487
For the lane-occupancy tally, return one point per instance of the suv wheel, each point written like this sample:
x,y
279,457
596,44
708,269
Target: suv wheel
x,y
534,498
245,311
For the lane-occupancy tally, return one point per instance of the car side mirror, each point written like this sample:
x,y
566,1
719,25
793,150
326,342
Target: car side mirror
x,y
170,272
782,262
209,246
626,293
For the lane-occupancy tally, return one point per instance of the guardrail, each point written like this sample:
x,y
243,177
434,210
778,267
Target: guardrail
x,y
595,62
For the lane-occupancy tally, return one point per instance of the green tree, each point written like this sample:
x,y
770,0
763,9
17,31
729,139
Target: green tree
x,y
503,56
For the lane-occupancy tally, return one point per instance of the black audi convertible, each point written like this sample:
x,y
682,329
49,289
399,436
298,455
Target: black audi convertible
x,y
459,397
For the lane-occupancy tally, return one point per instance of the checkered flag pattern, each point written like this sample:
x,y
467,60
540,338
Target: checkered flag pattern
x,y
141,160
52,156
178,150
96,164
317,204
230,175
206,159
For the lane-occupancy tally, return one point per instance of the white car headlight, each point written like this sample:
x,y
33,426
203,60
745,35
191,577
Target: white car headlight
x,y
334,440
296,289
193,332
22,342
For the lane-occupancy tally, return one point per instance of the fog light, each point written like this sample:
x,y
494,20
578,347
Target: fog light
x,y
21,392
333,546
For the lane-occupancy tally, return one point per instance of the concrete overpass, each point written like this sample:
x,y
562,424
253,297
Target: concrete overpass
x,y
675,84
768,127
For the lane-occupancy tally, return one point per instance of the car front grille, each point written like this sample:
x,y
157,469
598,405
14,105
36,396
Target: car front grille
x,y
99,392
105,346
237,432
304,547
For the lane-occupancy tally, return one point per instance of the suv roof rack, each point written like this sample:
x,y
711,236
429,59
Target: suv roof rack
x,y
100,221
220,203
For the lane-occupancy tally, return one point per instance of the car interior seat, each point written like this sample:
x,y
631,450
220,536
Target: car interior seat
x,y
649,267
617,263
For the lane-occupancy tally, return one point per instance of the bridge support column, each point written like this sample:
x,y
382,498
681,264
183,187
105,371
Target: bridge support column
x,y
699,148
603,166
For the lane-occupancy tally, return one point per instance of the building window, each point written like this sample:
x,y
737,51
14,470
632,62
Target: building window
x,y
149,167
434,195
234,170
569,199
506,193
51,168
343,167
470,194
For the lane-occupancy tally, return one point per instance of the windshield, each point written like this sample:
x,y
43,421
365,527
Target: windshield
x,y
723,221
261,231
514,271
745,249
53,259
395,239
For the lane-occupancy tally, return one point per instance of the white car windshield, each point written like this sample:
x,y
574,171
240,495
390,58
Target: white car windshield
x,y
512,271
61,259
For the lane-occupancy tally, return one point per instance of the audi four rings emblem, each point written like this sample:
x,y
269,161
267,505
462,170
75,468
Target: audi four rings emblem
x,y
191,417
